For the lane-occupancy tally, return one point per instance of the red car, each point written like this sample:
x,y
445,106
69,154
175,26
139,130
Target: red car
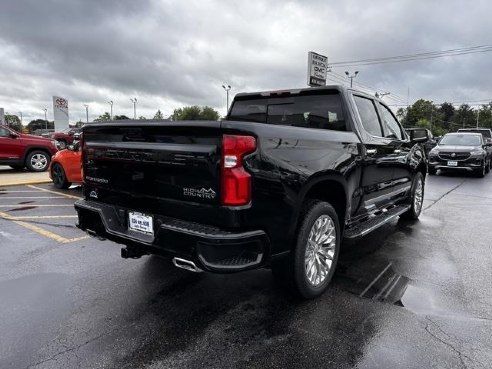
x,y
65,137
21,150
66,167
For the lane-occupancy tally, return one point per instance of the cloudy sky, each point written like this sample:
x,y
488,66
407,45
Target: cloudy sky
x,y
173,53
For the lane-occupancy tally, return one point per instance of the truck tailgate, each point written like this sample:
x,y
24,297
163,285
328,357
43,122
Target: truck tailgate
x,y
164,160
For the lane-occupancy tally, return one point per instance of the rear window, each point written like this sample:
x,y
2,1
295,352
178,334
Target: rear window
x,y
312,111
484,132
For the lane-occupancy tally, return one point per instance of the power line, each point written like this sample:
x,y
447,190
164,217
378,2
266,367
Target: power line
x,y
413,57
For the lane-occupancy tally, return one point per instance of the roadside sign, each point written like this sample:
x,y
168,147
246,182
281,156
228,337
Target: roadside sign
x,y
60,112
317,68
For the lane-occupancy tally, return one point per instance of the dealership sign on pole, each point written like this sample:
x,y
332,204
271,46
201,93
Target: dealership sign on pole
x,y
2,116
60,113
317,68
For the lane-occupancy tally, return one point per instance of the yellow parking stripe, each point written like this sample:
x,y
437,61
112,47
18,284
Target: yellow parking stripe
x,y
42,217
41,231
31,197
19,191
36,205
55,192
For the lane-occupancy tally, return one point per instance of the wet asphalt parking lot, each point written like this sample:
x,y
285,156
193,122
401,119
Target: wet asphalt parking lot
x,y
410,295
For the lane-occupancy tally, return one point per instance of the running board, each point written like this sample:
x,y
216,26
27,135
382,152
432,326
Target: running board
x,y
370,225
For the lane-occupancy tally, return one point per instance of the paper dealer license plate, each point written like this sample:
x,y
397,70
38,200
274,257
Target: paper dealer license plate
x,y
452,163
140,222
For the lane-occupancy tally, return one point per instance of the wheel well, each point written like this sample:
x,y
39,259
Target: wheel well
x,y
332,192
31,149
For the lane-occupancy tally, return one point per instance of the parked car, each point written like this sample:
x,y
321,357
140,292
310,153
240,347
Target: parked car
x,y
21,150
423,133
486,132
65,167
461,151
65,137
277,184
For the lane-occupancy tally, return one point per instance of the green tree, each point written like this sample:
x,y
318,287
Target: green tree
x,y
13,121
103,117
195,113
142,118
39,124
464,117
120,117
447,112
158,115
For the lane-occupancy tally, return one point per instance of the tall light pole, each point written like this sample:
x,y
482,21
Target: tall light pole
x,y
46,119
110,102
134,101
227,88
86,112
352,77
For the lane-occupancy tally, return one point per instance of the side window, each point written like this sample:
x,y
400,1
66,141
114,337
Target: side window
x,y
4,132
368,115
392,128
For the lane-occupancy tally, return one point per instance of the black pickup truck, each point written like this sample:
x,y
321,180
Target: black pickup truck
x,y
279,183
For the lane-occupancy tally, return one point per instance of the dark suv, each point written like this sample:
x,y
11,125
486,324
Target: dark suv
x,y
461,151
21,150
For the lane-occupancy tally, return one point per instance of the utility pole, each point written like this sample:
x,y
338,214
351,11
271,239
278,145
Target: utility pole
x,y
227,88
86,112
352,77
110,102
478,114
22,122
432,113
134,101
46,119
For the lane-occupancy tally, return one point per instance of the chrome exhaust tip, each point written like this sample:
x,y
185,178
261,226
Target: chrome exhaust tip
x,y
186,264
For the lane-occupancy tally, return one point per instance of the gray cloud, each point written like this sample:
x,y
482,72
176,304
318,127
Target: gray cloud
x,y
172,53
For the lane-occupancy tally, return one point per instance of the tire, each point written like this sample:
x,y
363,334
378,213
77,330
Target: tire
x,y
38,161
432,171
16,167
307,271
62,144
416,198
487,169
59,177
480,173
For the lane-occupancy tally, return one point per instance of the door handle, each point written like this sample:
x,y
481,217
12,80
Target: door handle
x,y
397,151
371,151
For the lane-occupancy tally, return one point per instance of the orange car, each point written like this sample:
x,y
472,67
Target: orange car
x,y
65,167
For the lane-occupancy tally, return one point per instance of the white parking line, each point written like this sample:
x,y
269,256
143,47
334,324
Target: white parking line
x,y
55,192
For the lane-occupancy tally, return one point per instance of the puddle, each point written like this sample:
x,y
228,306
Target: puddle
x,y
23,208
375,278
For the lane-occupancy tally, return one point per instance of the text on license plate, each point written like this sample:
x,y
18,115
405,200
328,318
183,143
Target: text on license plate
x,y
452,163
140,222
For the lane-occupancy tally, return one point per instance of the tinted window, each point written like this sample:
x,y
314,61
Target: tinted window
x,y
461,140
313,111
484,132
419,133
392,128
368,115
4,132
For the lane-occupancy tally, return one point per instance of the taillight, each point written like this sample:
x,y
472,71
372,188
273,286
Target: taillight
x,y
236,182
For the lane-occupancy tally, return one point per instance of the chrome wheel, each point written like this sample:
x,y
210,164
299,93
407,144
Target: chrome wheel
x,y
418,196
320,250
39,161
